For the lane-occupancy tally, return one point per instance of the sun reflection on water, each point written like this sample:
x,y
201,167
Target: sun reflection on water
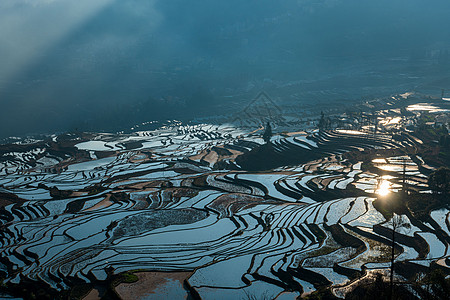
x,y
384,188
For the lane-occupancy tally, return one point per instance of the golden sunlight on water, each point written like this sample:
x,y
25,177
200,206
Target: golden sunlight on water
x,y
384,188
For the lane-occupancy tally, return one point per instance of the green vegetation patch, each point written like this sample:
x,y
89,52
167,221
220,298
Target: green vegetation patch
x,y
128,277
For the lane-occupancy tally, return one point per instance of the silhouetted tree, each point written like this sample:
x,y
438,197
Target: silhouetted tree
x,y
375,122
396,222
267,133
404,182
439,181
432,285
322,121
444,141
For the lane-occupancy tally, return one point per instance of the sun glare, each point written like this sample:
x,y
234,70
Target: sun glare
x,y
383,188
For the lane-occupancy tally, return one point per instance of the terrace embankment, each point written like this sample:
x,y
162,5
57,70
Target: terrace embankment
x,y
150,214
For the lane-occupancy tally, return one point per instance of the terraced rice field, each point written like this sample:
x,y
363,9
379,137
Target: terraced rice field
x,y
174,203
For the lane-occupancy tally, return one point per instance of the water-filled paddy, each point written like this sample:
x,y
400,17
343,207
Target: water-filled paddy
x,y
164,206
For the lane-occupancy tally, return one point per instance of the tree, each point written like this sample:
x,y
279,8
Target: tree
x,y
404,182
396,222
439,181
433,285
322,121
267,133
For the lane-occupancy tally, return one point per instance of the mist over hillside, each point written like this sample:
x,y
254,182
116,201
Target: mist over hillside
x,y
107,64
